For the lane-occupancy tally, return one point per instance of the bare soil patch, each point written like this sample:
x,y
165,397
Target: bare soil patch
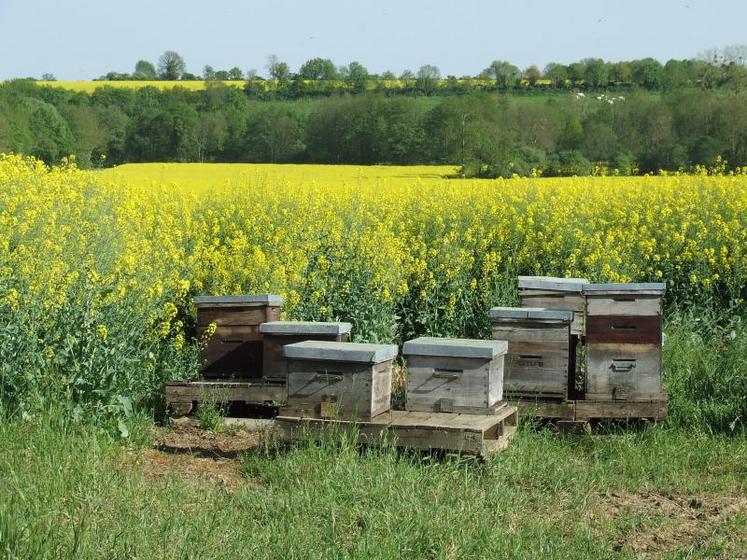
x,y
185,436
664,522
185,450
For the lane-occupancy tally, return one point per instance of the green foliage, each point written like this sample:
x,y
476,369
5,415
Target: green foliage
x,y
704,370
488,135
210,415
170,66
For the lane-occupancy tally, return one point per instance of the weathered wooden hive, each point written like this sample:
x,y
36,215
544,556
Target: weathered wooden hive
x,y
277,334
624,339
235,348
549,292
454,375
339,379
541,352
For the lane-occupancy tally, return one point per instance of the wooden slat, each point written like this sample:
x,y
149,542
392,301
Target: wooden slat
x,y
623,329
586,409
257,393
632,305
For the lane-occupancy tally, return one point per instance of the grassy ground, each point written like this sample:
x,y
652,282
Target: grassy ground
x,y
66,492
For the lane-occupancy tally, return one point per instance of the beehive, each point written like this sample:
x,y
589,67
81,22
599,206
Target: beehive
x,y
339,379
454,375
235,348
277,334
549,292
541,353
624,339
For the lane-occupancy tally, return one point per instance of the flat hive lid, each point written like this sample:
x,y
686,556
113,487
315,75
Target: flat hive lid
x,y
455,347
341,351
552,283
645,288
538,314
292,328
242,300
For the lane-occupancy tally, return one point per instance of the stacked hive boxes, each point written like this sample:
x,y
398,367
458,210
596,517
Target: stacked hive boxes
x,y
624,338
339,379
454,375
541,351
234,350
619,325
549,292
277,334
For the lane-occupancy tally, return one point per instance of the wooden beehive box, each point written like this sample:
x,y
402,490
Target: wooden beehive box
x,y
235,349
339,379
541,354
624,338
549,292
277,334
454,375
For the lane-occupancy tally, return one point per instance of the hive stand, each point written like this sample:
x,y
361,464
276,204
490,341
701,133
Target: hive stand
x,y
573,415
181,396
479,435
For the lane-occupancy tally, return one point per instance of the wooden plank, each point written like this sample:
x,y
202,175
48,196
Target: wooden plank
x,y
557,300
546,409
474,435
624,329
255,393
587,409
224,316
632,305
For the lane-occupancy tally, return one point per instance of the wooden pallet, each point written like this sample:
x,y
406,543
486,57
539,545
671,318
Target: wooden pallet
x,y
582,411
470,434
182,395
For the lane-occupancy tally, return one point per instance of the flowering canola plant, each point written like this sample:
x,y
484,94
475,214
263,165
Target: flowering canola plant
x,y
98,268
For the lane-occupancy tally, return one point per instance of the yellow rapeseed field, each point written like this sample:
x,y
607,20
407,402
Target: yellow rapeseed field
x,y
89,86
103,264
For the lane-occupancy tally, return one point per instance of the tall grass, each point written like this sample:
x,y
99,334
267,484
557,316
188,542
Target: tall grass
x,y
705,370
67,492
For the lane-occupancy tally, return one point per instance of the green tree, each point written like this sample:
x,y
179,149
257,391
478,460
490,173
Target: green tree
x,y
427,80
356,75
236,74
277,69
145,70
208,73
504,73
318,69
170,66
532,74
558,73
596,72
620,73
210,134
647,72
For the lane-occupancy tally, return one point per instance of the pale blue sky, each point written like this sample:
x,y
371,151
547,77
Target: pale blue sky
x,y
83,39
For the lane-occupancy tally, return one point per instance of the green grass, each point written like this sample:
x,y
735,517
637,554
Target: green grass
x,y
66,492
675,491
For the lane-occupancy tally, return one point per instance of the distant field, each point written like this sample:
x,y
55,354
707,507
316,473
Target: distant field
x,y
191,175
89,86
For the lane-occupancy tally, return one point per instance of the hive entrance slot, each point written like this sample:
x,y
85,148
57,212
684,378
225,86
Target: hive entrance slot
x,y
449,374
328,377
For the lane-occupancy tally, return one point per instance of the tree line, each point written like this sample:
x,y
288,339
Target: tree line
x,y
716,68
486,134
